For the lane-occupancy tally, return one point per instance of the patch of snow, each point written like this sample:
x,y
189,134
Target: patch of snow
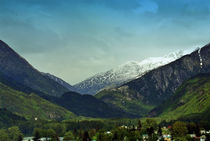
x,y
201,61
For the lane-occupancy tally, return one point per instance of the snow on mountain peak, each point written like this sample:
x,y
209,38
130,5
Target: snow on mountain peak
x,y
125,72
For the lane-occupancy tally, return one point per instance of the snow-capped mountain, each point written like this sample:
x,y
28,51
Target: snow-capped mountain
x,y
124,73
59,81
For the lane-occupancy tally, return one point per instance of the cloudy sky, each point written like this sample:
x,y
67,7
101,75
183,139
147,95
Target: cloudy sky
x,y
74,39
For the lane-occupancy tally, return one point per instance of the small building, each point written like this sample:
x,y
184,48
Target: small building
x,y
167,137
145,137
42,139
28,138
124,127
203,132
203,138
169,127
192,135
108,132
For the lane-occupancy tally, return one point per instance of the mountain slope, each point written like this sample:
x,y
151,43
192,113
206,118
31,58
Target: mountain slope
x,y
80,105
60,81
10,82
126,100
192,97
159,84
17,68
30,105
124,73
87,105
8,119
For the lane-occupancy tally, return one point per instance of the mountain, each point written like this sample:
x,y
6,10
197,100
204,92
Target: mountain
x,y
190,99
29,90
31,105
14,67
124,73
59,81
87,105
159,84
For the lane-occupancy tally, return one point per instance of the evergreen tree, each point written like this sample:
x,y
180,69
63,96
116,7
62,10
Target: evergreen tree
x,y
191,127
20,138
86,136
3,135
68,136
179,129
139,125
37,134
115,136
150,131
75,132
197,131
151,123
15,133
159,131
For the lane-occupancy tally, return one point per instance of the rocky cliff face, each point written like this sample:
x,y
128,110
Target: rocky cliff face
x,y
161,83
16,68
192,97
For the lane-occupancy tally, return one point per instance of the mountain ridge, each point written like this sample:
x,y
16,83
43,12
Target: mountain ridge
x,y
159,84
14,66
124,73
59,81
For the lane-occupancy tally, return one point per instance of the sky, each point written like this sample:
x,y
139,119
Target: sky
x,y
75,39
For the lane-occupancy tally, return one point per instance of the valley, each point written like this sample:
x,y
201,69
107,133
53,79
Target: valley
x,y
167,92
